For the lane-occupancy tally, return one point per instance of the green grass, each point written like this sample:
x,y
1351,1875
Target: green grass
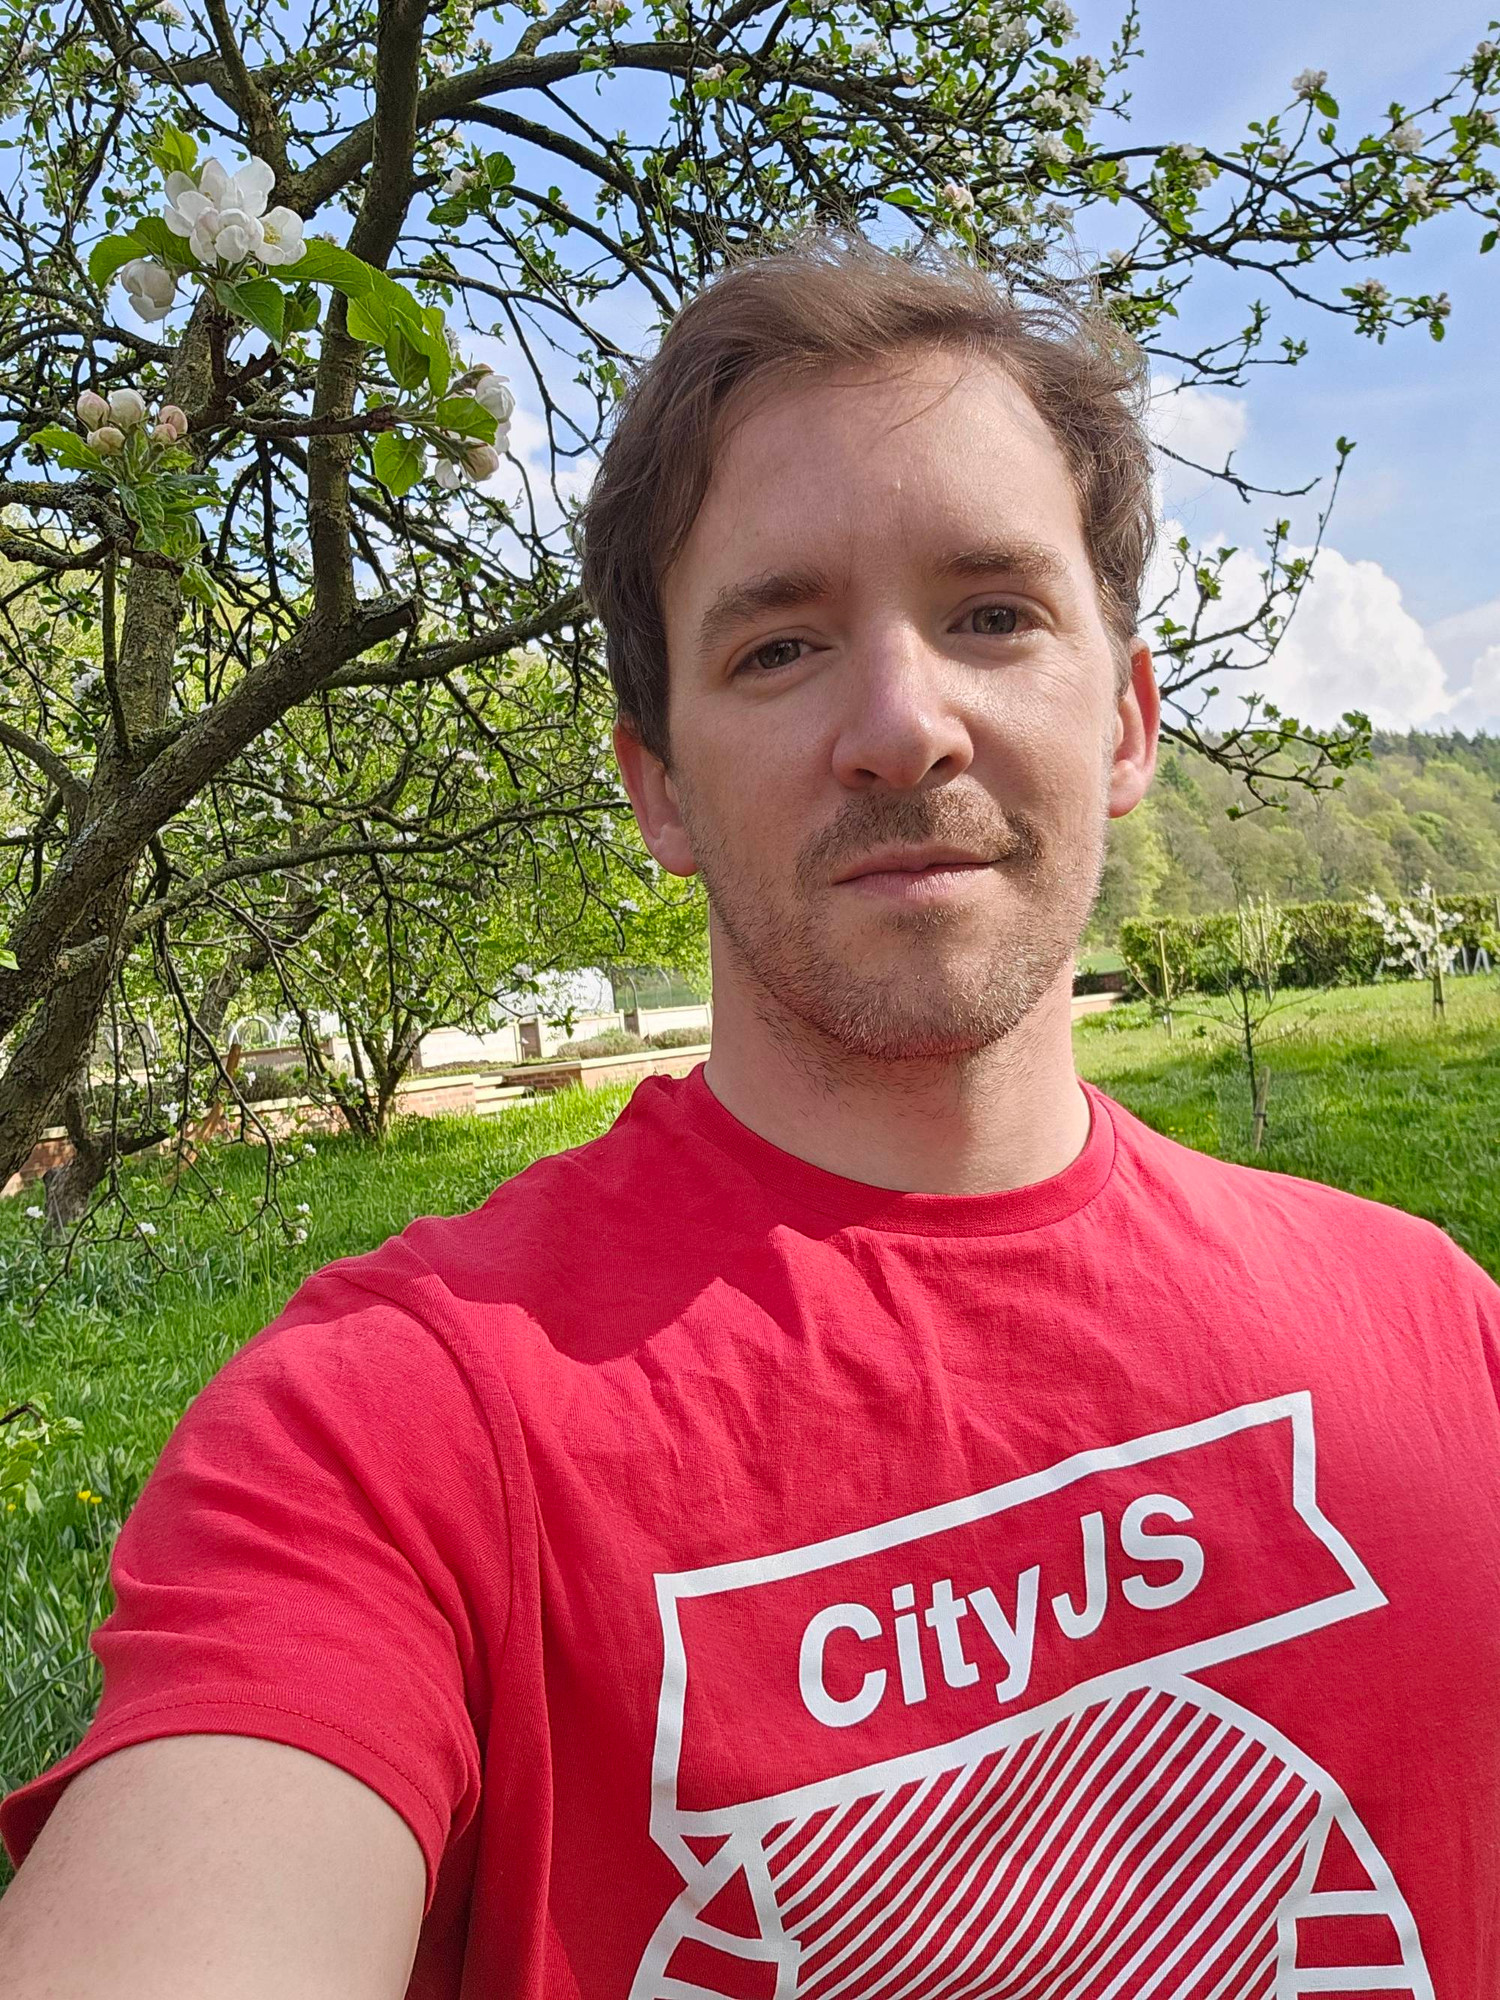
x,y
123,1345
1368,1094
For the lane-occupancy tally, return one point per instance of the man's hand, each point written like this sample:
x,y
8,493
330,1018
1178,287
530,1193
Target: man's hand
x,y
215,1868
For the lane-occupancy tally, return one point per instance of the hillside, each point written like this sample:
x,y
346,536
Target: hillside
x,y
1424,808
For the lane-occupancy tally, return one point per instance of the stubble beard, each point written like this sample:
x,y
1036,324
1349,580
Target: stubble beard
x,y
947,996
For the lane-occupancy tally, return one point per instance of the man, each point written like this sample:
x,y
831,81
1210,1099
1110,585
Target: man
x,y
880,1522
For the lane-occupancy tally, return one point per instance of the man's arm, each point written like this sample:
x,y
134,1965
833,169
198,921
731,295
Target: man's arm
x,y
215,1868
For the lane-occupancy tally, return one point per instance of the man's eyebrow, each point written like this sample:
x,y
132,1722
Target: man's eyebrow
x,y
773,591
1036,562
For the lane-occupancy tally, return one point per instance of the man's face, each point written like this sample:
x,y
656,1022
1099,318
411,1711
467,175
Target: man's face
x,y
896,736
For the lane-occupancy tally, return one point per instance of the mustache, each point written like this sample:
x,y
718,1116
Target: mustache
x,y
874,819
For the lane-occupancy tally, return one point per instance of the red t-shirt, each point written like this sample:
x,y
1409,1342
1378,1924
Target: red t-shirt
x,y
745,1581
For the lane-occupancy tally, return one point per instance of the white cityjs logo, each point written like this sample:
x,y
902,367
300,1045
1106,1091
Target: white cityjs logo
x,y
1006,1783
1012,1635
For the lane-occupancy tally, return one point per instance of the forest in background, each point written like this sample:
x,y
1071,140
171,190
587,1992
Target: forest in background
x,y
1424,808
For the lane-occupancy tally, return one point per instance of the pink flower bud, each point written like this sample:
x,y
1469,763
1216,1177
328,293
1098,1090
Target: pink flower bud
x,y
480,461
109,439
177,419
92,410
163,434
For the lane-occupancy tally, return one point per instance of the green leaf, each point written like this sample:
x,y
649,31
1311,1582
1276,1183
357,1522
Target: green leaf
x,y
67,448
1488,241
197,582
109,254
399,461
467,417
156,240
175,151
406,361
498,170
904,197
1327,105
439,360
327,264
258,300
366,321
302,309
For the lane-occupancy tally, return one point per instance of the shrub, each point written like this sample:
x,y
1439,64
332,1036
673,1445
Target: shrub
x,y
1331,944
613,1042
677,1038
258,1086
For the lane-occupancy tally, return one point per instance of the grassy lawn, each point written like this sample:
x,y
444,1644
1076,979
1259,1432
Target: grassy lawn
x,y
1367,1094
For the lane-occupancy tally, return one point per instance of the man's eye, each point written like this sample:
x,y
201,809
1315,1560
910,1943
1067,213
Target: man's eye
x,y
775,653
996,621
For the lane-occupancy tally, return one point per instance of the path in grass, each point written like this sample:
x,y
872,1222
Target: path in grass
x,y
1368,1094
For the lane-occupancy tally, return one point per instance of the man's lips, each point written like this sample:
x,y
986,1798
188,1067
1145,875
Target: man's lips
x,y
915,877
915,861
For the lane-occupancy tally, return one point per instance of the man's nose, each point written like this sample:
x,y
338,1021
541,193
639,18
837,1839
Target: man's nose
x,y
901,723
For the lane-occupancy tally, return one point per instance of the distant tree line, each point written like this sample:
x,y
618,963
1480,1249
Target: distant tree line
x,y
1424,808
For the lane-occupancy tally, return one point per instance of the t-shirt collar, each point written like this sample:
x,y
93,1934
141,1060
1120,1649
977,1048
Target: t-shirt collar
x,y
796,1184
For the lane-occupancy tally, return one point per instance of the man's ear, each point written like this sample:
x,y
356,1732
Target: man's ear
x,y
654,798
1137,726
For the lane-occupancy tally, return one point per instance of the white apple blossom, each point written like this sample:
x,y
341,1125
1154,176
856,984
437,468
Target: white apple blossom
x,y
1308,82
220,213
1010,37
865,49
168,11
149,286
1374,292
1407,137
712,73
1090,73
494,393
92,410
127,408
459,182
1062,21
145,1229
1053,146
957,195
1050,104
34,1213
1276,155
281,236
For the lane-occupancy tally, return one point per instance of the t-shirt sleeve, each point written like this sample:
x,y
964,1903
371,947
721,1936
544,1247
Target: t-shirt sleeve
x,y
321,1557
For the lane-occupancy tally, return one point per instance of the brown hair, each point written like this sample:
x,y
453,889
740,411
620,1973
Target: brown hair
x,y
828,302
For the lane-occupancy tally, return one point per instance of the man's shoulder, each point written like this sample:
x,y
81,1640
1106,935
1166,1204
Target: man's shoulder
x,y
548,1230
1267,1211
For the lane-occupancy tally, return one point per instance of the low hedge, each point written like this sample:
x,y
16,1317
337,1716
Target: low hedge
x,y
1332,944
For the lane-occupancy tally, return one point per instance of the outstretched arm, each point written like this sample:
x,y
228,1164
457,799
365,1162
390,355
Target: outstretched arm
x,y
222,1865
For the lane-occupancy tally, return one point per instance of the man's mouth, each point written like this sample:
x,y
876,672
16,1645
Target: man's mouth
x,y
915,873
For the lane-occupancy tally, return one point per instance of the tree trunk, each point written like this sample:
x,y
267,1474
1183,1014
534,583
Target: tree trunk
x,y
70,1187
54,1049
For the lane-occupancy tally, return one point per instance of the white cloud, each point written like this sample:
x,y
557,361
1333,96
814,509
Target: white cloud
x,y
1201,425
1352,644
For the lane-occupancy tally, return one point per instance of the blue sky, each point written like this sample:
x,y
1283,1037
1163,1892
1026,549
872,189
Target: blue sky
x,y
1403,617
1409,603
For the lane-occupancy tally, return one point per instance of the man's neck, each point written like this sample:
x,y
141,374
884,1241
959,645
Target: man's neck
x,y
1006,1117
